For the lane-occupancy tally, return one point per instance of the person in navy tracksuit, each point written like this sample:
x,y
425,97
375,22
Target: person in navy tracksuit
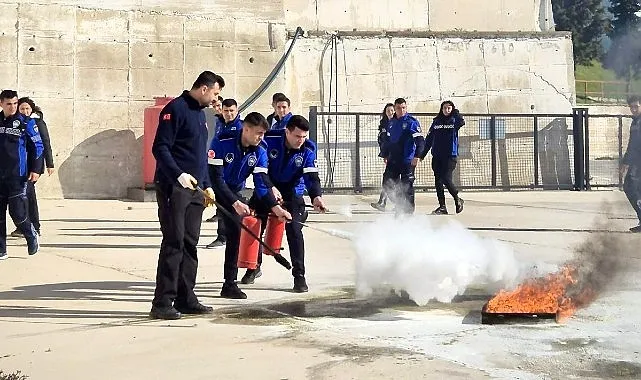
x,y
180,150
20,161
28,108
442,139
280,117
232,159
386,116
402,146
229,121
292,170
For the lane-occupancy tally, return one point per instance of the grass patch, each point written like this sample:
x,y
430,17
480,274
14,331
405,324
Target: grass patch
x,y
598,92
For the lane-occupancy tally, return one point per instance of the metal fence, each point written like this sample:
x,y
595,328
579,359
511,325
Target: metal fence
x,y
497,151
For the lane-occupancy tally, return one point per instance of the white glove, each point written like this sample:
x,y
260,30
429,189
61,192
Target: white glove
x,y
187,181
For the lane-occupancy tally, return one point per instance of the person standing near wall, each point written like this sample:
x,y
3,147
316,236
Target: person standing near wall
x,y
386,116
180,149
402,146
20,161
442,138
28,108
282,112
631,162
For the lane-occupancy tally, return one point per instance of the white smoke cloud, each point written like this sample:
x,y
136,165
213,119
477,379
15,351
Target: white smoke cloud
x,y
428,261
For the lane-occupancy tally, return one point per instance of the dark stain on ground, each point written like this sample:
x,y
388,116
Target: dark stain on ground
x,y
610,369
381,307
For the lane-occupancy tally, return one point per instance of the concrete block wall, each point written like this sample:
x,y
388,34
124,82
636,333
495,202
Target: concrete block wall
x,y
481,74
94,70
420,15
94,66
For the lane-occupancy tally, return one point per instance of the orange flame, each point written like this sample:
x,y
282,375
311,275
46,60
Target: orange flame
x,y
544,295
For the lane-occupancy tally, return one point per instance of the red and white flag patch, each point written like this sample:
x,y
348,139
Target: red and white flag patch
x,y
211,154
166,116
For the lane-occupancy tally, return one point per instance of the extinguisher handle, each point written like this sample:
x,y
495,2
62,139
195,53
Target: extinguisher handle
x,y
281,260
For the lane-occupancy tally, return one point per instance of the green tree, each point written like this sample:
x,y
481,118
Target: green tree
x,y
588,22
624,54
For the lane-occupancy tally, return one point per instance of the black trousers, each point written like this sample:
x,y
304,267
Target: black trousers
x,y
632,188
13,194
293,231
231,224
220,229
399,183
443,168
32,201
180,213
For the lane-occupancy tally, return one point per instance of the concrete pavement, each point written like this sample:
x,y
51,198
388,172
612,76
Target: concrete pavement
x,y
78,309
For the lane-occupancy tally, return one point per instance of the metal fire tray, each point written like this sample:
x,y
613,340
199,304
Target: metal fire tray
x,y
493,318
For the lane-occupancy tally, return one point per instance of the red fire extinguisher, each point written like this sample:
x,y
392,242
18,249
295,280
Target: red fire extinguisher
x,y
274,233
248,247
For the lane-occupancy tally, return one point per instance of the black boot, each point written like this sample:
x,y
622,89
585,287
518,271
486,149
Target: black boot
x,y
300,285
441,210
251,275
232,291
459,204
168,312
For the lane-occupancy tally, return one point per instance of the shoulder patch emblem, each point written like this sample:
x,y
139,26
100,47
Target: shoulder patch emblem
x,y
229,157
166,116
211,153
298,161
273,153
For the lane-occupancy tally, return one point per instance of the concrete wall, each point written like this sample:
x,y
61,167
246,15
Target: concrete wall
x,y
479,72
94,66
420,15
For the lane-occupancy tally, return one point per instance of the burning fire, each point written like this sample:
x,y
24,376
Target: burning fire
x,y
558,293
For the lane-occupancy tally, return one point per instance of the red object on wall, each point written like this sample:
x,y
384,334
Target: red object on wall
x,y
151,124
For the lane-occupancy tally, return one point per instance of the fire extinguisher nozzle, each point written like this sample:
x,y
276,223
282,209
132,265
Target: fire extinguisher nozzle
x,y
282,261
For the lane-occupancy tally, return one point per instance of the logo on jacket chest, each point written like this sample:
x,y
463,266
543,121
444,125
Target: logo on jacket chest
x,y
298,161
229,158
251,161
273,153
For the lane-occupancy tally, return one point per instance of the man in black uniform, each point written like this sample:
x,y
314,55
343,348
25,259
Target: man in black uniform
x,y
631,163
20,161
180,149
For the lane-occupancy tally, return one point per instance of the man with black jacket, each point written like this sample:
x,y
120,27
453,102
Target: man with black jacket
x,y
180,149
631,162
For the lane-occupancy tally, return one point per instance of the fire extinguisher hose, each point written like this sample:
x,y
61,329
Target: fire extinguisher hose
x,y
277,256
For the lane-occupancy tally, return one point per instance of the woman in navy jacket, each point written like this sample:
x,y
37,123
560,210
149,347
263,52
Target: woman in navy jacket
x,y
386,116
442,138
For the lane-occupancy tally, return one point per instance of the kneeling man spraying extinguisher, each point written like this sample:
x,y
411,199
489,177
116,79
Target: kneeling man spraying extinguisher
x,y
292,169
232,158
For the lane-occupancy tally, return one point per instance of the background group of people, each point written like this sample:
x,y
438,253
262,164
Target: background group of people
x,y
403,146
25,152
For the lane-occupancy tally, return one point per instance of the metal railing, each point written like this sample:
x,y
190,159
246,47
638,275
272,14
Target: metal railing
x,y
602,91
496,151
